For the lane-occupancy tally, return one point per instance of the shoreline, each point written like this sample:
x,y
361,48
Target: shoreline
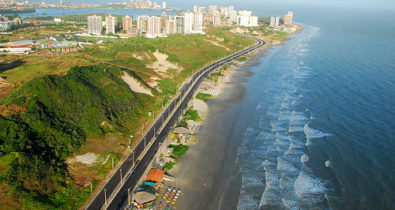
x,y
208,174
197,172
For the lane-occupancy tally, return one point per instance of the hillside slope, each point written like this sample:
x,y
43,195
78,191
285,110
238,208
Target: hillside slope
x,y
50,119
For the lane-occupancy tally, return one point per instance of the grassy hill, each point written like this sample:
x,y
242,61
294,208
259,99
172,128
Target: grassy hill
x,y
54,114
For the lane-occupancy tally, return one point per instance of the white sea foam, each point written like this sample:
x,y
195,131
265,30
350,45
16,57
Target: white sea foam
x,y
306,185
285,165
295,128
297,117
304,158
270,197
328,163
294,150
313,133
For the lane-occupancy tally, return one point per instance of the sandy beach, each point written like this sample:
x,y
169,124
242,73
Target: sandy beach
x,y
208,173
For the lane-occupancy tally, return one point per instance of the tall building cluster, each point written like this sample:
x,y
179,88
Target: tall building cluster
x,y
274,21
150,26
148,4
288,20
95,25
7,24
111,22
218,15
153,26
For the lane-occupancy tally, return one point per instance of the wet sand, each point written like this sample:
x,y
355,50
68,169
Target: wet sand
x,y
208,173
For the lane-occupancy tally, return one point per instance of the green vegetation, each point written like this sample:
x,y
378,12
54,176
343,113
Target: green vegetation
x,y
3,39
242,59
192,115
204,96
169,165
182,123
17,11
179,150
70,105
46,120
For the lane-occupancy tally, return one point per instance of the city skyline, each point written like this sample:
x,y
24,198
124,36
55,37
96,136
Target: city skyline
x,y
387,5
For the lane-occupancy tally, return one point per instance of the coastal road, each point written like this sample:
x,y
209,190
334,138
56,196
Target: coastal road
x,y
115,191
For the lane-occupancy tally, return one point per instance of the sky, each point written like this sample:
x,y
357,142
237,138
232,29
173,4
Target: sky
x,y
183,4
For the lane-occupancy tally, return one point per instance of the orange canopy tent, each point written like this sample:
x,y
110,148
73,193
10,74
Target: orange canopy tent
x,y
155,175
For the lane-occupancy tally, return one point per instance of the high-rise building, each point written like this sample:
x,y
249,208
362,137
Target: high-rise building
x,y
231,8
153,26
164,19
274,21
253,21
226,13
164,5
288,19
198,22
245,19
195,8
94,25
245,13
202,10
189,18
212,9
216,20
171,27
110,24
233,16
142,24
127,23
180,24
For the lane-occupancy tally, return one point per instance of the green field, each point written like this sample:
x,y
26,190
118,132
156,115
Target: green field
x,y
179,150
204,96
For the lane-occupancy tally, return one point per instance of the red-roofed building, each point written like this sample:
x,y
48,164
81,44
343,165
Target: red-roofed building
x,y
155,176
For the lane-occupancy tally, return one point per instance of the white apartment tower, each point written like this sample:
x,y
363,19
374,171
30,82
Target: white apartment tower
x,y
171,27
274,21
94,25
110,24
153,26
195,8
212,9
180,24
142,24
164,5
189,19
198,22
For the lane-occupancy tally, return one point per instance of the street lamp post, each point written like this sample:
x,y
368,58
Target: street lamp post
x,y
130,141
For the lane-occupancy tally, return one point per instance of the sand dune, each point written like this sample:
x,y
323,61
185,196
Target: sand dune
x,y
161,65
135,85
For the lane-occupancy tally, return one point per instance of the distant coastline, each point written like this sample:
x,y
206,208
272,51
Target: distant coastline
x,y
13,11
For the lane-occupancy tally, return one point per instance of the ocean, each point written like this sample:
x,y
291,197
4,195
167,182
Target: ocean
x,y
323,131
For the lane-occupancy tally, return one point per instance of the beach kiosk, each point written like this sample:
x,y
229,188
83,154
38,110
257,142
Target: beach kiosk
x,y
154,177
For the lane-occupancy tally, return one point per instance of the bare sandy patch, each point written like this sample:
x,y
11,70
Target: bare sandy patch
x,y
87,158
3,83
134,85
138,57
200,106
161,65
239,30
217,44
153,82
